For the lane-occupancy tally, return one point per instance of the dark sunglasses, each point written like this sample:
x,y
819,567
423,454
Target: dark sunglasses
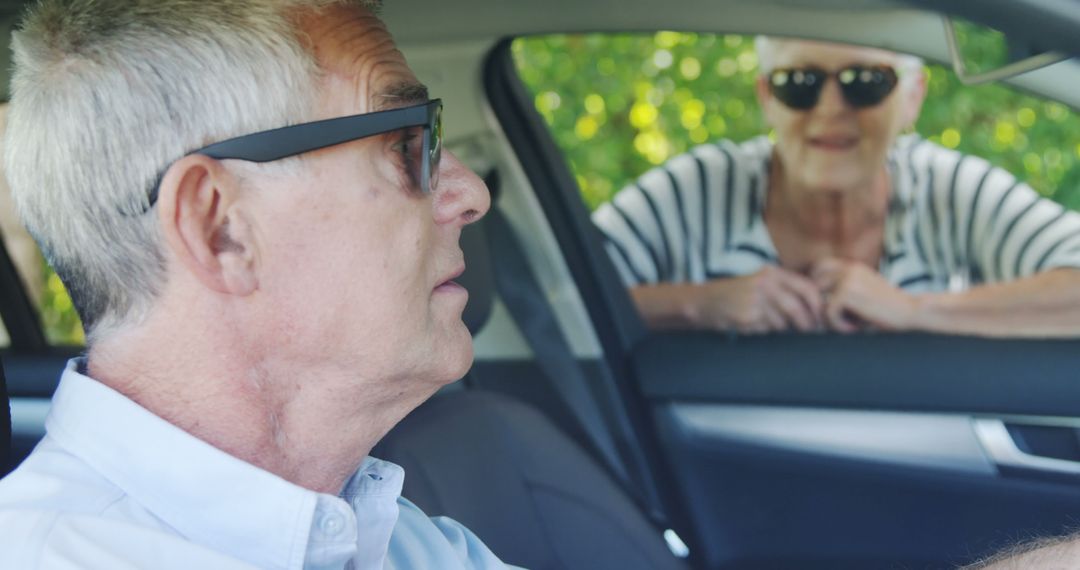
x,y
422,159
861,85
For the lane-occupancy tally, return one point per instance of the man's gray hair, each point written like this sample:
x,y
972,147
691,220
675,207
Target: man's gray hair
x,y
909,66
107,93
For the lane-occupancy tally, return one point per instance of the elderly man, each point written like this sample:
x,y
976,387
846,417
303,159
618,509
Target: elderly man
x,y
249,204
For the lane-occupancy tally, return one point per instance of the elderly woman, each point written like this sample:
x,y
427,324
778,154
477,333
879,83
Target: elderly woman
x,y
843,223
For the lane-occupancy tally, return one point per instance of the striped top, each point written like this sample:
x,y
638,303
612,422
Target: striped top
x,y
954,220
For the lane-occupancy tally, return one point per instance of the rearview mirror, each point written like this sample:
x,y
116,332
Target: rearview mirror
x,y
981,54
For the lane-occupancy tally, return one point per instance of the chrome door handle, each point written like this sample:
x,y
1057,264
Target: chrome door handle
x,y
1000,446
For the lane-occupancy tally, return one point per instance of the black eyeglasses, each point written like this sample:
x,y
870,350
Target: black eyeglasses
x,y
422,160
861,85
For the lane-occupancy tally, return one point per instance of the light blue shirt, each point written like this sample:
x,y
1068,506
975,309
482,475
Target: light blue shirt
x,y
112,486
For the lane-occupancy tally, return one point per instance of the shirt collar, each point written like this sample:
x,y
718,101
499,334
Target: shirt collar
x,y
357,526
205,494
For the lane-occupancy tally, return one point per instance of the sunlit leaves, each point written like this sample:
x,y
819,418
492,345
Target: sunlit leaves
x,y
58,317
627,102
594,104
1026,117
950,137
690,68
693,112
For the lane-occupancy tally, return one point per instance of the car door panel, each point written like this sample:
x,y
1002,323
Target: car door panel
x,y
874,451
899,372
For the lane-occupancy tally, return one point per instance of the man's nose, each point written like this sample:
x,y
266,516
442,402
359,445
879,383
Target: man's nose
x,y
462,197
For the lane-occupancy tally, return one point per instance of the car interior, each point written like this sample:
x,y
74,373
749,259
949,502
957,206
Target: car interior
x,y
580,439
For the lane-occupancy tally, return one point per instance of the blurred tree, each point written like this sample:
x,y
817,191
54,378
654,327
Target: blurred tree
x,y
618,104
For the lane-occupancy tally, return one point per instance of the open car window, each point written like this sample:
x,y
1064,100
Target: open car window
x,y
620,104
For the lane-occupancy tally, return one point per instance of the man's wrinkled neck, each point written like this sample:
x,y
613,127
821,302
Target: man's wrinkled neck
x,y
288,423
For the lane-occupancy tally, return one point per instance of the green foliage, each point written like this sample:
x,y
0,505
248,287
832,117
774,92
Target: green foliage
x,y
618,104
58,316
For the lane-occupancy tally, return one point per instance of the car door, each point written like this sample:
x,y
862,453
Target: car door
x,y
818,451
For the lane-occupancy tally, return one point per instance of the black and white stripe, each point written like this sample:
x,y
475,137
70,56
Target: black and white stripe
x,y
953,219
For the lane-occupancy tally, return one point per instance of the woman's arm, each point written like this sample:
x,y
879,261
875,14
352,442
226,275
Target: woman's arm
x,y
1043,305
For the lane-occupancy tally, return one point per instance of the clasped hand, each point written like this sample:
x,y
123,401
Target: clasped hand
x,y
835,294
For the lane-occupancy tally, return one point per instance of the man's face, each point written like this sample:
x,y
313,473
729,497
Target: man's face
x,y
834,145
358,262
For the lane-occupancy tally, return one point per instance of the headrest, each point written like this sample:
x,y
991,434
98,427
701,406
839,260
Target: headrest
x,y
478,278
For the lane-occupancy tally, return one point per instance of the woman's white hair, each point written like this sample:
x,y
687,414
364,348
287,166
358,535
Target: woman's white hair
x,y
107,93
909,66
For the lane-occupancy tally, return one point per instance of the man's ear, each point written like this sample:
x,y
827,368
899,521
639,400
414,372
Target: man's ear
x,y
205,227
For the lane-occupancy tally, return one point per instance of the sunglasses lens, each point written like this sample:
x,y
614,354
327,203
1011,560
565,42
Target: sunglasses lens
x,y
797,88
867,86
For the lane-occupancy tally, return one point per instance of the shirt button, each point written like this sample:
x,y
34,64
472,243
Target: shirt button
x,y
332,524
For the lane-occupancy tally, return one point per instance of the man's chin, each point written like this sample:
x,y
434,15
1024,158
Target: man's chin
x,y
457,357
462,363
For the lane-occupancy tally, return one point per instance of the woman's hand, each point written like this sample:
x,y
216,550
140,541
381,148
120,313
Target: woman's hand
x,y
858,297
773,299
